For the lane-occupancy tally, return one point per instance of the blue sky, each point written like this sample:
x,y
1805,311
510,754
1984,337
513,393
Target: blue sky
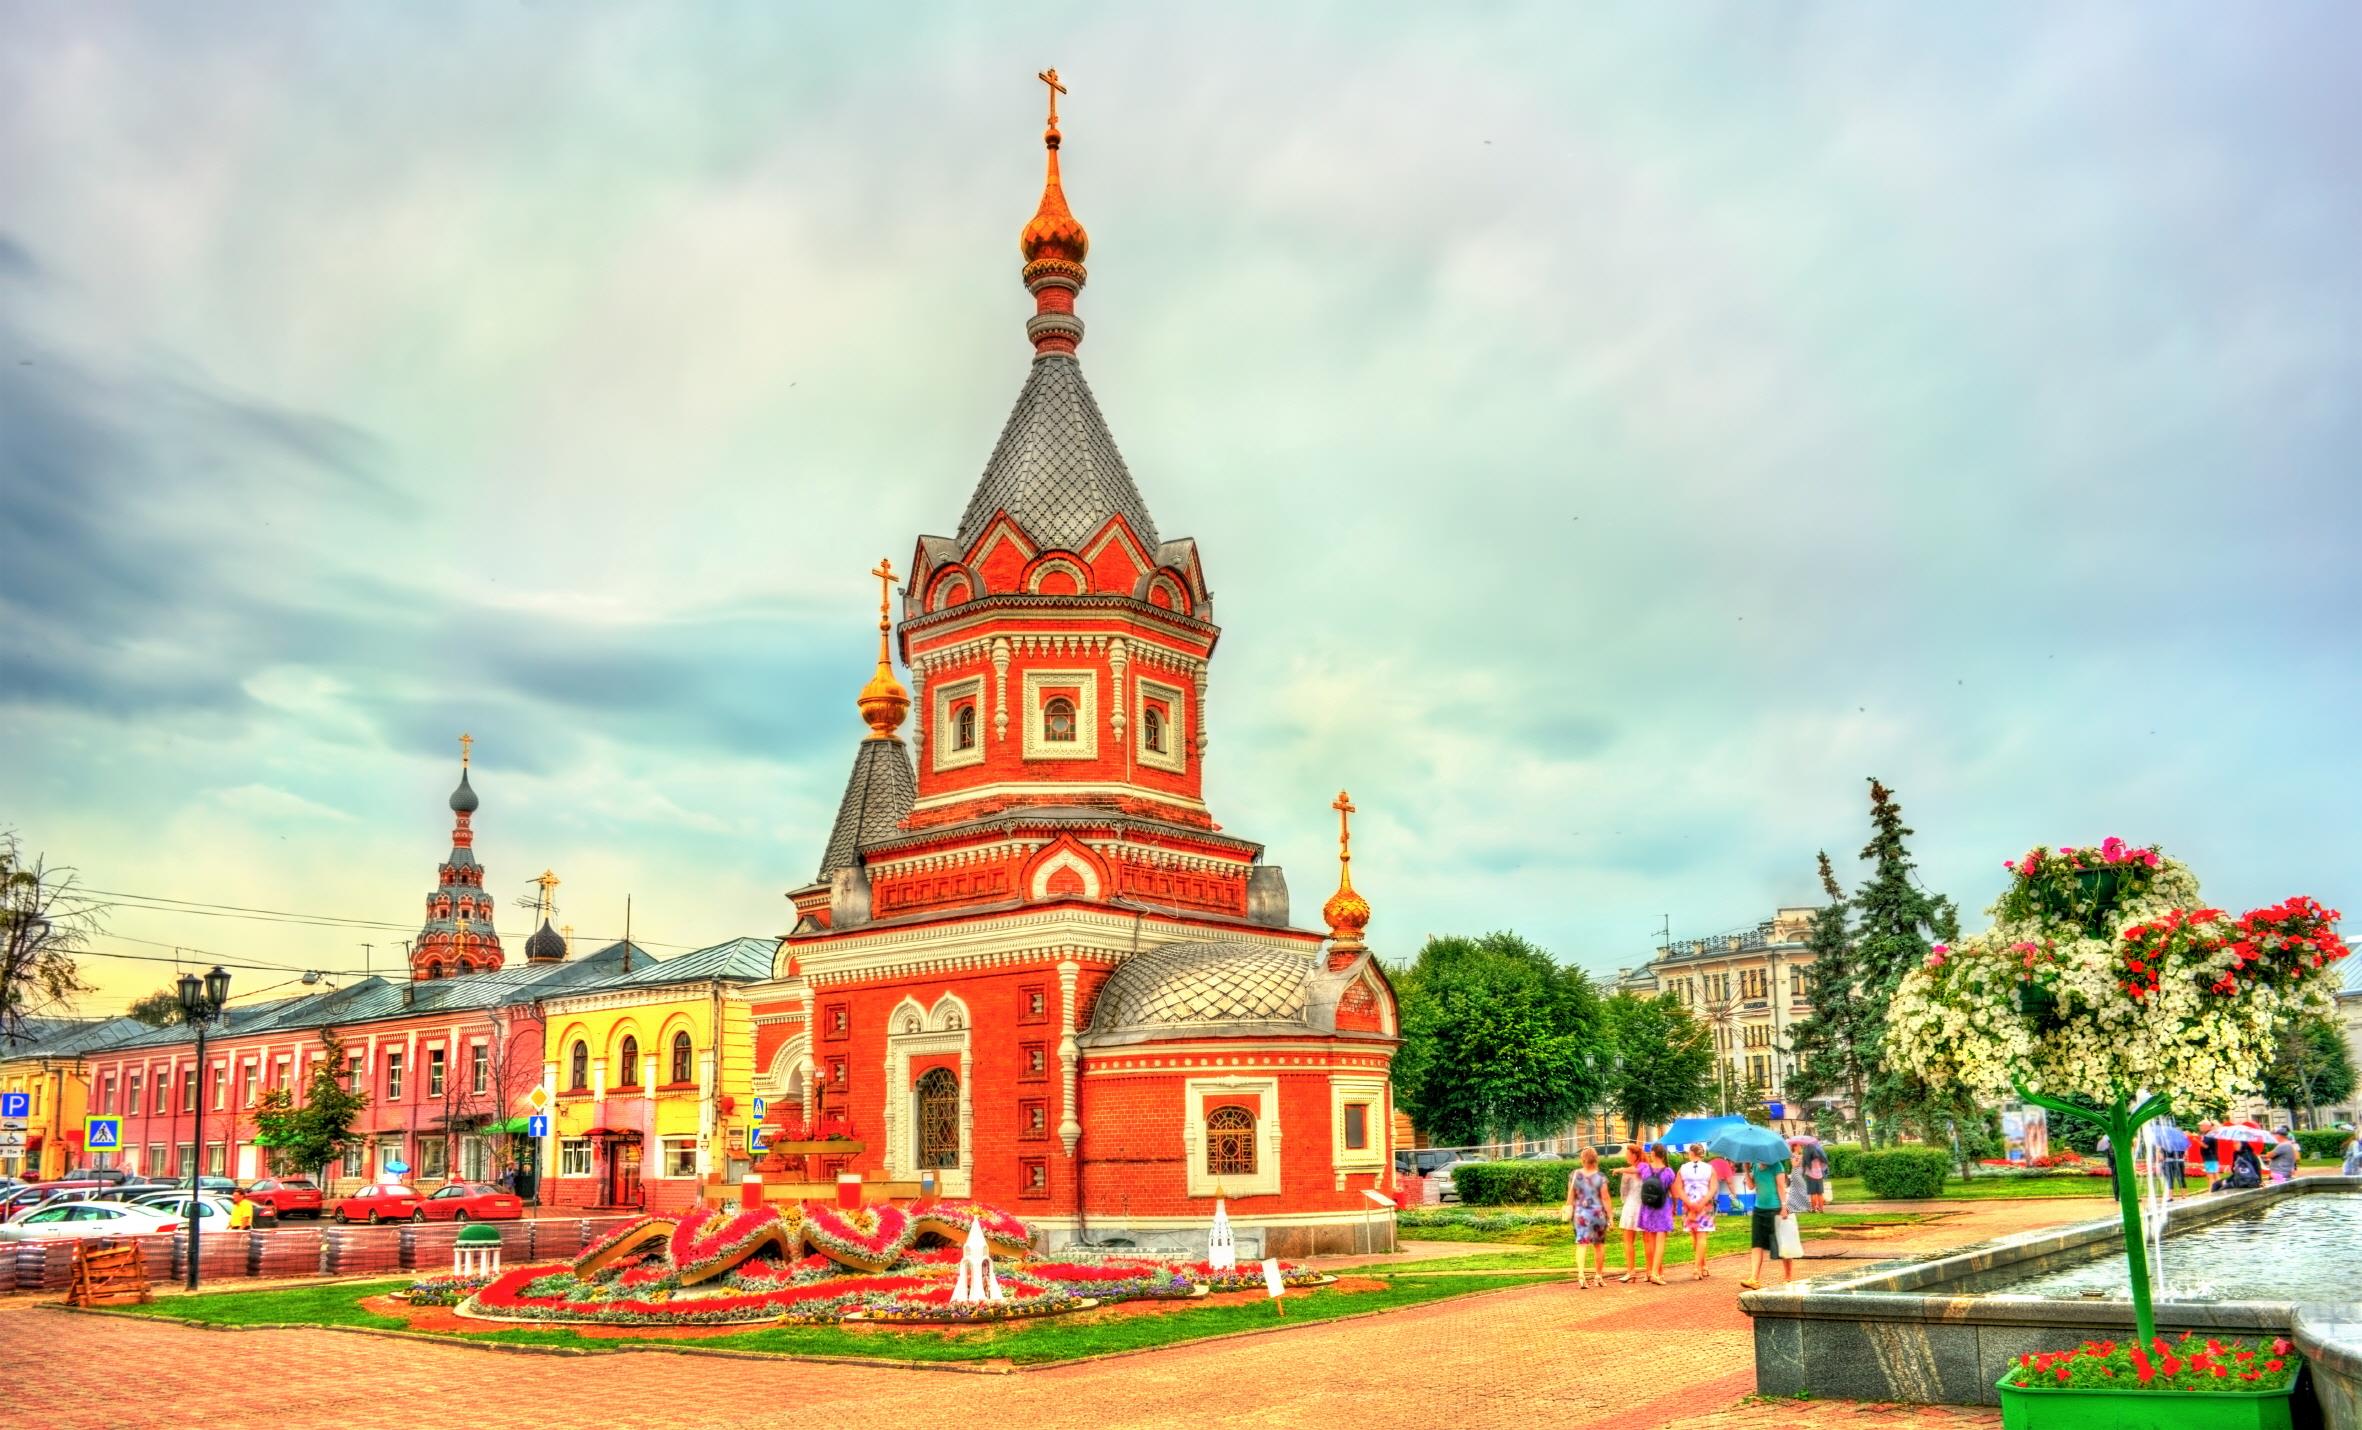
x,y
1613,433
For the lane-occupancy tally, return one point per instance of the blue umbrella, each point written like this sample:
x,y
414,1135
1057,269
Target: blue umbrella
x,y
1750,1143
2171,1140
1686,1130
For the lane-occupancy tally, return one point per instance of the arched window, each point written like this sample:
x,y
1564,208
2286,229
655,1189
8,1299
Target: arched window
x,y
1058,720
578,1067
1152,729
631,1061
681,1071
1230,1142
939,1118
963,728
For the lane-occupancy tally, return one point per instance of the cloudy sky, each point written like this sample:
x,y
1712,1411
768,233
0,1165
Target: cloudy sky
x,y
1613,433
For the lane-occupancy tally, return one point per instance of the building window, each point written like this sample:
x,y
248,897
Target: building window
x,y
574,1157
1033,1003
1796,983
184,1159
250,1083
1058,721
217,1160
1152,729
131,1096
106,1094
578,1067
389,1155
352,1160
154,1166
479,1070
1036,1061
679,1157
434,1072
433,1155
393,1077
352,1073
475,1162
939,1118
1230,1142
963,728
630,1074
1034,1177
682,1068
839,1020
188,1091
1357,1126
836,1071
1033,1120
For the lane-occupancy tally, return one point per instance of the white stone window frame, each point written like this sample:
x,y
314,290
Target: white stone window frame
x,y
1175,755
942,748
1038,687
1200,1095
943,1029
1370,1092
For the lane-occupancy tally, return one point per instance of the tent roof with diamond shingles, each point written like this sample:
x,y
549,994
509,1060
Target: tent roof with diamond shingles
x,y
1056,469
877,799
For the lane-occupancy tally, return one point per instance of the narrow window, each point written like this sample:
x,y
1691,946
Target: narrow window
x,y
1357,1126
1058,720
479,1069
1230,1142
963,728
578,1068
939,1118
681,1071
631,1061
1152,729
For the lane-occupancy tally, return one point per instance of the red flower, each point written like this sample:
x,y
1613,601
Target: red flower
x,y
2280,1345
2274,1363
2062,1374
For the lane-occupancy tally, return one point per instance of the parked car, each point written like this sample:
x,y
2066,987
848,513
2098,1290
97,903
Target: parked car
x,y
1422,1161
43,1194
380,1201
287,1196
212,1212
1450,1190
111,1176
471,1201
73,1220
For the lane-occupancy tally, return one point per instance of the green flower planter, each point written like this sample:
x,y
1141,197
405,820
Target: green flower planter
x,y
2036,1409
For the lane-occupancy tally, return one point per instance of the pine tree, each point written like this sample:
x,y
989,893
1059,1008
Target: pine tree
x,y
1896,924
1837,1043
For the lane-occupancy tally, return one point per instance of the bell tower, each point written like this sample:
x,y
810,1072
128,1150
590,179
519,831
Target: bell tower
x,y
457,937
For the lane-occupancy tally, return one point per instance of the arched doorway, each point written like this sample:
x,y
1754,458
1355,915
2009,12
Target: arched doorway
x,y
938,1119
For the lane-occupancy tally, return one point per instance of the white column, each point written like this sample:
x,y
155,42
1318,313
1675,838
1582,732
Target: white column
x,y
705,1113
1070,1127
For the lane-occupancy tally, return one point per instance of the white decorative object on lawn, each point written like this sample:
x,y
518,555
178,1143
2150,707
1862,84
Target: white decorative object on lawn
x,y
977,1280
1221,1249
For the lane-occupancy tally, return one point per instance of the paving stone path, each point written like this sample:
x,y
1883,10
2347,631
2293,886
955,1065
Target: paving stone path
x,y
1549,1355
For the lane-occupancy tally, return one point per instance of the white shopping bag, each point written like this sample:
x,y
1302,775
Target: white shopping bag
x,y
1789,1237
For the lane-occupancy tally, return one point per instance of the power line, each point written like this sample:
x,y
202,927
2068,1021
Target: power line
x,y
159,903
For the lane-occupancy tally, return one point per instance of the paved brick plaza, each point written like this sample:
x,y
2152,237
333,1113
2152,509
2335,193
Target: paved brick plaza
x,y
1541,1355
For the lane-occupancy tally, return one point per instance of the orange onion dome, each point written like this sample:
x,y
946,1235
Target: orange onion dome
x,y
1347,911
1054,232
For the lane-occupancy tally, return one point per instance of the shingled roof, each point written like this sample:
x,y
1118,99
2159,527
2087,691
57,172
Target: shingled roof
x,y
877,798
1055,468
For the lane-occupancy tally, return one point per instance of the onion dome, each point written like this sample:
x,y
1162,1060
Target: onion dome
x,y
1053,232
1347,911
883,701
1053,243
463,799
546,946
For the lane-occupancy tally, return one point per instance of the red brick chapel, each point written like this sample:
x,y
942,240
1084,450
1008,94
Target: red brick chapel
x,y
1030,961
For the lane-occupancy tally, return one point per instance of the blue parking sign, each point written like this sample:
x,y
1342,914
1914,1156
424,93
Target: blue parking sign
x,y
16,1104
537,1125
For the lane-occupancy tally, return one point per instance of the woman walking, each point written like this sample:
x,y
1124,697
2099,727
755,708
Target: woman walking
x,y
1586,1200
1698,1185
1628,1199
1656,1211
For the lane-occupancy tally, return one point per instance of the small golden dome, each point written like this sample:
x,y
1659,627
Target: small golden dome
x,y
883,701
1347,911
1054,232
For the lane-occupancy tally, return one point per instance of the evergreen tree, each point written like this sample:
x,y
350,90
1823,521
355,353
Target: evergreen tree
x,y
1499,1039
1664,1060
1837,1043
307,1137
1896,923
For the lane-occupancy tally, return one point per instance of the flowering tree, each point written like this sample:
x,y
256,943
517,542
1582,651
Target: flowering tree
x,y
2104,978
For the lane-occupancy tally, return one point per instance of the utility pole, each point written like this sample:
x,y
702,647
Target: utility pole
x,y
627,933
366,950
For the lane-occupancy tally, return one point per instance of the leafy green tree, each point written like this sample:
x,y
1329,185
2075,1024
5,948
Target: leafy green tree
x,y
1836,1044
1896,923
1499,1039
160,1009
2310,1066
1664,1060
307,1137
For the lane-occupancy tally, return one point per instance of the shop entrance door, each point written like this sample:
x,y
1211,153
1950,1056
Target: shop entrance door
x,y
623,1175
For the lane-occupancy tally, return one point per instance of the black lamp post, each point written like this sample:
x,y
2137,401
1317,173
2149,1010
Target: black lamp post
x,y
200,1003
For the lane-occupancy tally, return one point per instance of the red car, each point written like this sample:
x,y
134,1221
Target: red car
x,y
381,1201
471,1201
287,1196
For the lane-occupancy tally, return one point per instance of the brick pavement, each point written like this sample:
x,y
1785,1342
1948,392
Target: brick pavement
x,y
1547,1355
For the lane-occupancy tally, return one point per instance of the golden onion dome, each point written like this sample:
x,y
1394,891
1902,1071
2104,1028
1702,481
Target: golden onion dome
x,y
1347,911
1054,232
883,701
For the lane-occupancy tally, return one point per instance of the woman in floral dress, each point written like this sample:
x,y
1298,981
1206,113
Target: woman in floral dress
x,y
1586,1199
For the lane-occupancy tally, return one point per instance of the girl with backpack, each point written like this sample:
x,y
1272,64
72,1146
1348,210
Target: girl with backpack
x,y
1656,1211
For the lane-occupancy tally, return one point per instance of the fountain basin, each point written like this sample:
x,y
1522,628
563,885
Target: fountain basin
x,y
1944,1328
2330,1336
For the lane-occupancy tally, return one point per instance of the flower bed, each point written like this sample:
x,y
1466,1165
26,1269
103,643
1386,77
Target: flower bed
x,y
444,1290
2209,1367
863,1238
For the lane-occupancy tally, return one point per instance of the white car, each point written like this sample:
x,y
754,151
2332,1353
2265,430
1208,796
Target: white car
x,y
213,1210
80,1219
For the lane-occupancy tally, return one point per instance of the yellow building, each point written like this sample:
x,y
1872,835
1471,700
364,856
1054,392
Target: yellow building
x,y
649,1080
44,1062
1749,989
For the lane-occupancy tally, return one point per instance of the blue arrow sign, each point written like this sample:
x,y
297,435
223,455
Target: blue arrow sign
x,y
102,1134
16,1104
758,1109
537,1126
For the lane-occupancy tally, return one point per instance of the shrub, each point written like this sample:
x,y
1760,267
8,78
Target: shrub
x,y
1495,1184
2323,1141
1905,1173
1845,1158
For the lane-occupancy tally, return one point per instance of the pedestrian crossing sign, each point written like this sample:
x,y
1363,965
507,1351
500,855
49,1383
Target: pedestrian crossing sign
x,y
102,1134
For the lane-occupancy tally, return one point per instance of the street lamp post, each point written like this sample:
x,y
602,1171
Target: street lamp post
x,y
201,1001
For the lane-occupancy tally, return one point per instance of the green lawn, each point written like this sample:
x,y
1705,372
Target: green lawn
x,y
1026,1343
1730,1233
1979,1189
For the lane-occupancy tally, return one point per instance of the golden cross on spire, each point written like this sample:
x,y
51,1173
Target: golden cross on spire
x,y
1050,78
548,881
1345,811
466,741
884,571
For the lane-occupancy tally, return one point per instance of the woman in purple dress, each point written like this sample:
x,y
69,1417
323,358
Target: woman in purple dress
x,y
1656,1211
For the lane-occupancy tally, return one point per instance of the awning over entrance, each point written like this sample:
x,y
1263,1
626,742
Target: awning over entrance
x,y
620,1134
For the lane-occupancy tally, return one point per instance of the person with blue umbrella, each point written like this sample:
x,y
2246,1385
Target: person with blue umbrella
x,y
1766,1156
